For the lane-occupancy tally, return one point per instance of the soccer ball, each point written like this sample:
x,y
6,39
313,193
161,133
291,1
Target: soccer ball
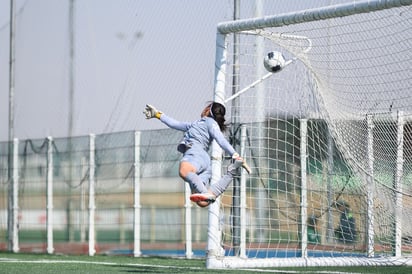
x,y
274,61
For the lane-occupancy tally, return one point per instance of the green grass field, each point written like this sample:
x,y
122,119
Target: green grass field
x,y
62,264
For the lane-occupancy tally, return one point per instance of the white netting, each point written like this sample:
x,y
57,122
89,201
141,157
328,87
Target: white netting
x,y
350,77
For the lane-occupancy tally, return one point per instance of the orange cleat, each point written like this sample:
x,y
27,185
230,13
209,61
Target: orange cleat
x,y
207,197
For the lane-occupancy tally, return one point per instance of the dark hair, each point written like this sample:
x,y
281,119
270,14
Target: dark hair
x,y
217,112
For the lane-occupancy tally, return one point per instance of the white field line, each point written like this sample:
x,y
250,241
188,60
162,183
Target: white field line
x,y
2,260
8,260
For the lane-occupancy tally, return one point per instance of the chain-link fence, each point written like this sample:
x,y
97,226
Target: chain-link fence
x,y
68,190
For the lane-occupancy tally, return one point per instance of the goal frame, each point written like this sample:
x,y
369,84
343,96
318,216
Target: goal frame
x,y
215,253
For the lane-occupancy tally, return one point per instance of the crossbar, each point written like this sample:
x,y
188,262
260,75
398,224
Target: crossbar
x,y
308,15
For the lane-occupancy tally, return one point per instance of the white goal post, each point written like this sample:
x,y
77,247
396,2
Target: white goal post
x,y
329,139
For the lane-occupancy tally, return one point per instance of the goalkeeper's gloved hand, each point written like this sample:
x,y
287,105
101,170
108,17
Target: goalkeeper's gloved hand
x,y
151,112
241,162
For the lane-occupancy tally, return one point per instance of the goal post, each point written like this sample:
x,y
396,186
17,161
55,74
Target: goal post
x,y
328,138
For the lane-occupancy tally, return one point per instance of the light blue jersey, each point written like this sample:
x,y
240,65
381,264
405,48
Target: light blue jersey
x,y
196,142
199,133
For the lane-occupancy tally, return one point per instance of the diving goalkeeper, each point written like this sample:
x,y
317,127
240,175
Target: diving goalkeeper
x,y
195,165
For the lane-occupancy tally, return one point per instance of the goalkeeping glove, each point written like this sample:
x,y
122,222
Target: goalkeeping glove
x,y
151,112
239,161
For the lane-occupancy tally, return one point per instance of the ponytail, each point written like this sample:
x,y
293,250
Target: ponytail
x,y
217,112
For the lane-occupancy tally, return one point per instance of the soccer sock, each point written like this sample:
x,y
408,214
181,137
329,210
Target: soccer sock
x,y
196,184
219,187
232,170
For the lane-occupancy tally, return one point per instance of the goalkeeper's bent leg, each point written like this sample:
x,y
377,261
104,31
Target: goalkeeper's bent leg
x,y
219,187
233,169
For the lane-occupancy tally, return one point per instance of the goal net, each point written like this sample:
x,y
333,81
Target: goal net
x,y
328,138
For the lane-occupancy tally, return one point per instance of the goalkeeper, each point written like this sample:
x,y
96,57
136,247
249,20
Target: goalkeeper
x,y
195,165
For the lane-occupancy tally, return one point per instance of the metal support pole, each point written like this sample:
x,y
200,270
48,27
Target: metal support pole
x,y
49,196
330,166
137,207
188,222
261,196
235,123
10,201
398,186
214,233
370,187
303,194
92,205
243,200
15,182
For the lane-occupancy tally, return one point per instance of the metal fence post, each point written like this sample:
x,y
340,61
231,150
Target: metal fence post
x,y
49,196
15,182
137,206
92,206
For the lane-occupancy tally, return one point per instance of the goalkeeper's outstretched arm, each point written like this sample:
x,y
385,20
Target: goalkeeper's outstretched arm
x,y
151,112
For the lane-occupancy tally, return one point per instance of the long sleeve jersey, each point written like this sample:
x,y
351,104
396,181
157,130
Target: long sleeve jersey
x,y
200,133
